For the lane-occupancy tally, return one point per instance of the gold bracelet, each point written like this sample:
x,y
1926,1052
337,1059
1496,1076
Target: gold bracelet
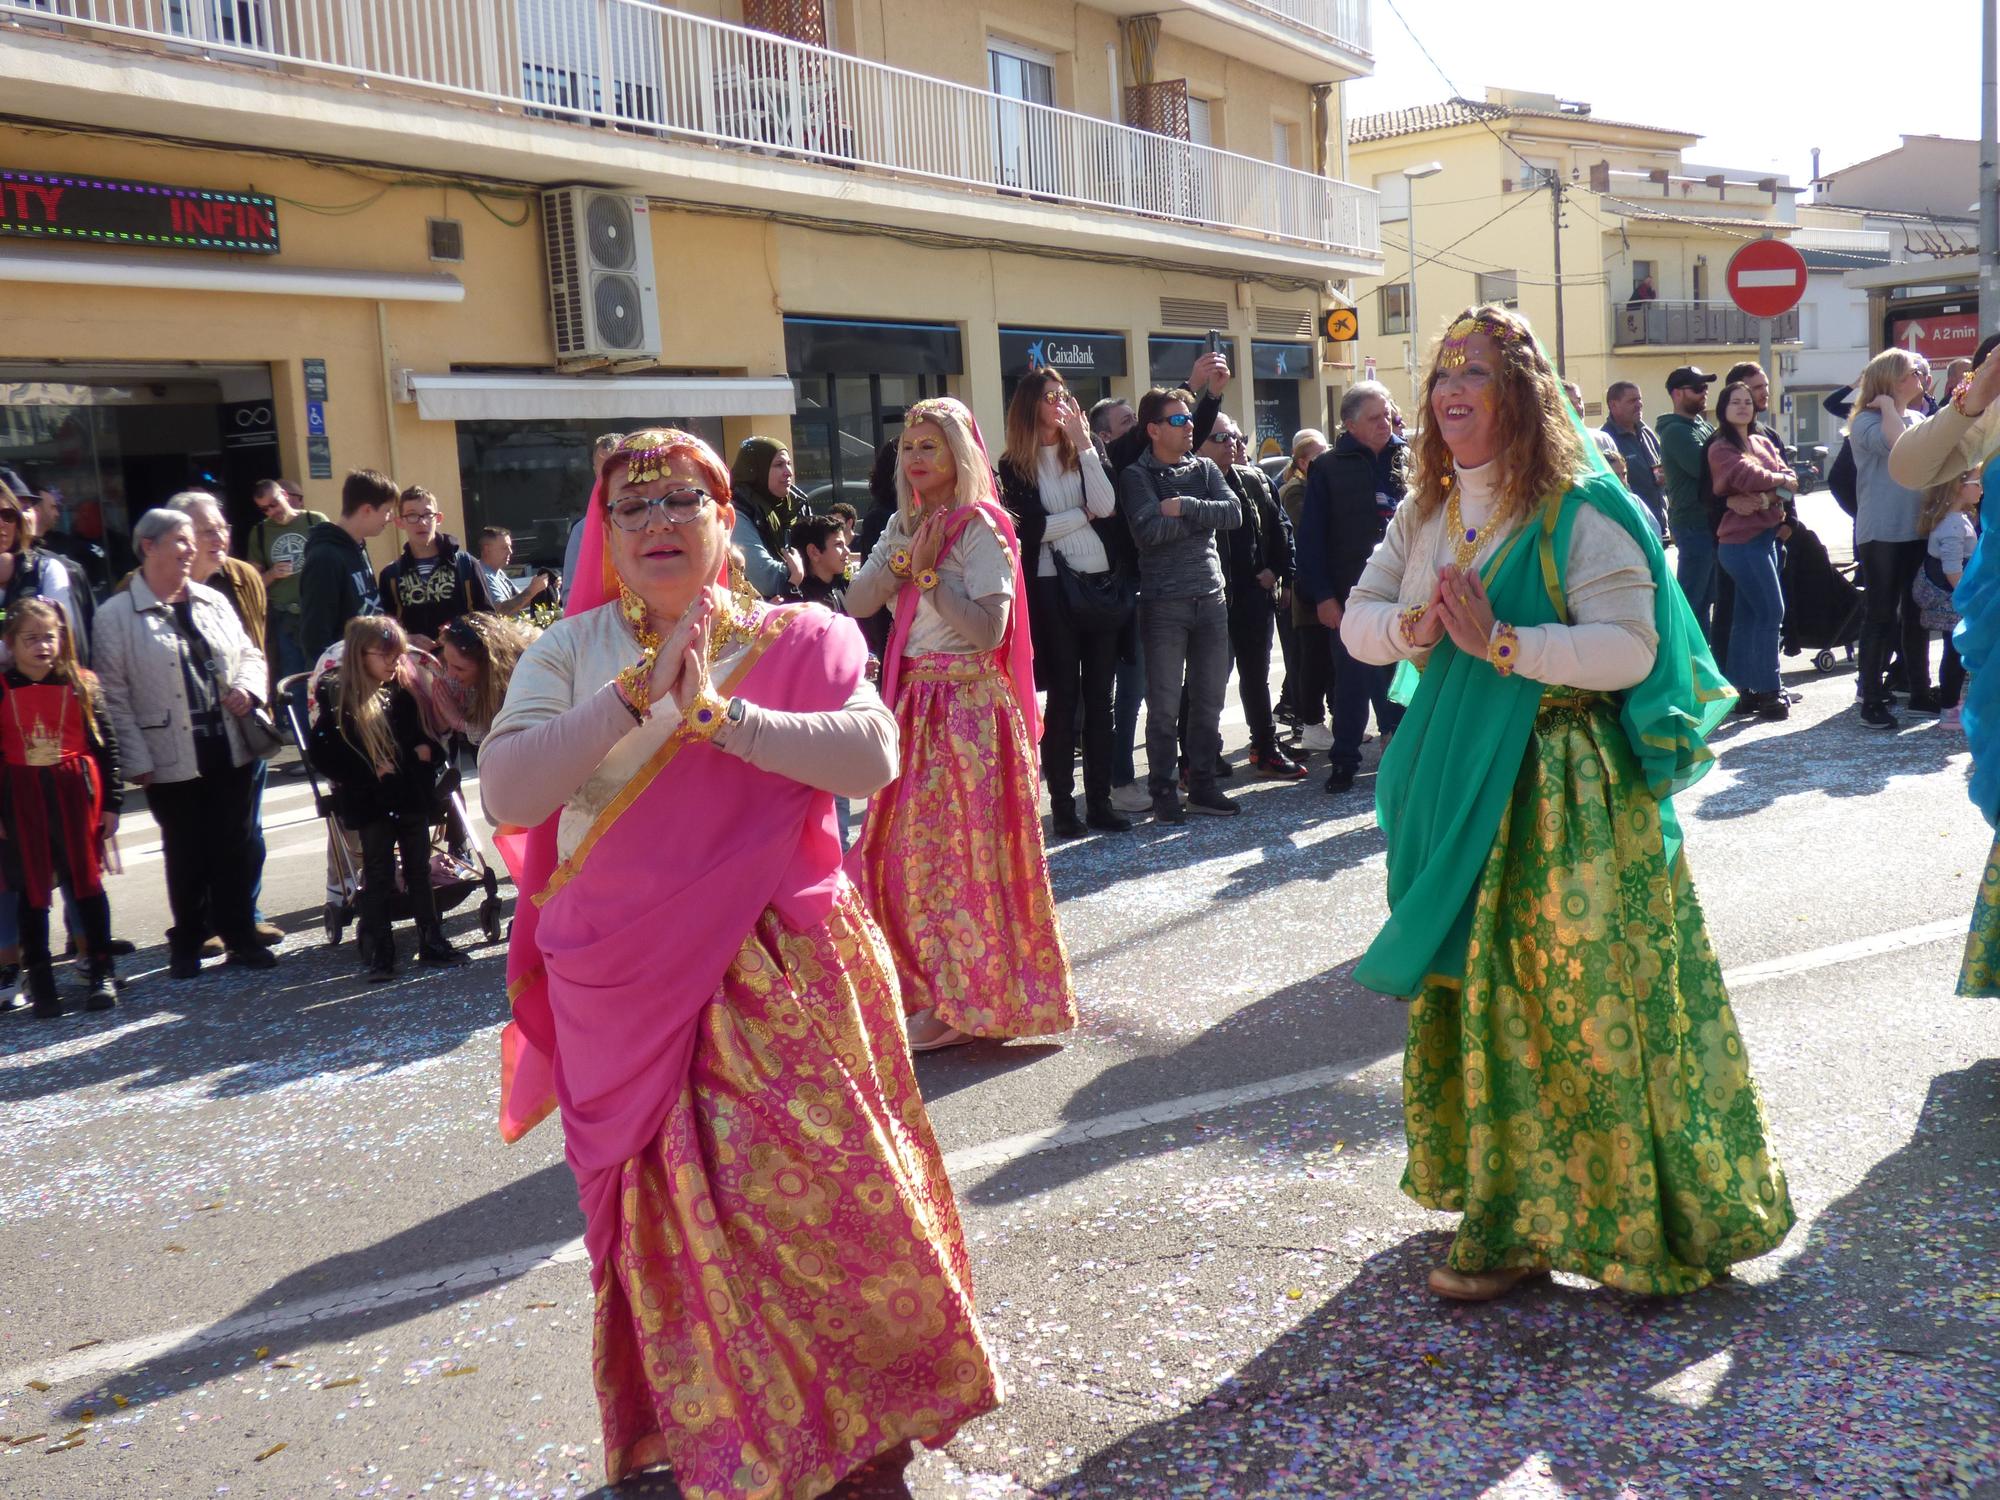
x,y
1503,647
706,715
634,686
927,580
899,562
1408,621
1958,393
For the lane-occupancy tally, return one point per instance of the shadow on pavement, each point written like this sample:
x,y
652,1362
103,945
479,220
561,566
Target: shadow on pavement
x,y
535,1210
1865,1367
251,1031
1837,756
1282,1034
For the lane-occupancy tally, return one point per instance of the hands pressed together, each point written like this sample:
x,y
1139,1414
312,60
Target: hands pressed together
x,y
680,671
1458,608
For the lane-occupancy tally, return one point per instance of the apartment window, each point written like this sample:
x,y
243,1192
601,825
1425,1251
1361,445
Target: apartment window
x,y
1503,287
1396,307
1023,136
1395,190
1201,128
1284,143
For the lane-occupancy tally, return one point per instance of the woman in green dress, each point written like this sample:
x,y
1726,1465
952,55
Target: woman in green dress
x,y
1574,1083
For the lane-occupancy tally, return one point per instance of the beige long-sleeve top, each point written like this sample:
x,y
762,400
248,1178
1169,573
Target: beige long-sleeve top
x,y
1943,446
967,612
564,739
1610,641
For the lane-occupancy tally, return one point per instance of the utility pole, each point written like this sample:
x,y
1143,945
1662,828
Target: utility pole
x,y
1556,212
1989,172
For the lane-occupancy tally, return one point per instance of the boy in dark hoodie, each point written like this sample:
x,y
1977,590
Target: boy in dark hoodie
x,y
336,580
435,580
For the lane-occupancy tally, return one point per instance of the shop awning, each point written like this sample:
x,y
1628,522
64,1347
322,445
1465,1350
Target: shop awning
x,y
521,398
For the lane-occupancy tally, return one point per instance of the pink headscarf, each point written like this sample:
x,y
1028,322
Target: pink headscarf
x,y
1017,649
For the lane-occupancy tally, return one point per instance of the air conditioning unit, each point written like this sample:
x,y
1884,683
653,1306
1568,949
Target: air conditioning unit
x,y
602,304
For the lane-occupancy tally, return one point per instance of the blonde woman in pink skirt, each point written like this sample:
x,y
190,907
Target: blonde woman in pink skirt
x,y
950,860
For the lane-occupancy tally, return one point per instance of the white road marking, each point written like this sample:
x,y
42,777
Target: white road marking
x,y
467,1276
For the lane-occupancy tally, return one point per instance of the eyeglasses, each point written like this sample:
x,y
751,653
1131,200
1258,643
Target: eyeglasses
x,y
1054,395
411,518
1178,419
676,508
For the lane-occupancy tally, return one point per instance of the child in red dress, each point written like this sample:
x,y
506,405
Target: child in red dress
x,y
60,795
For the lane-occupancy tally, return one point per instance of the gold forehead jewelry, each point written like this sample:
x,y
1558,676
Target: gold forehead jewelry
x,y
1452,353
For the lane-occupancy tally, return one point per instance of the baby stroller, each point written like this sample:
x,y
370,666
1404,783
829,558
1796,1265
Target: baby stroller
x,y
457,866
1823,606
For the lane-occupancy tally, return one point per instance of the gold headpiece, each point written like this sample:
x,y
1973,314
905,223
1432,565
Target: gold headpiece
x,y
932,407
645,453
1452,353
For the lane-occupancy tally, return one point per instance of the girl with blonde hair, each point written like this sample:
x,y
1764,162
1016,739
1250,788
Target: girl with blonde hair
x,y
1574,1085
950,859
1888,543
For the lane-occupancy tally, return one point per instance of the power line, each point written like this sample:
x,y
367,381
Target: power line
x,y
1456,92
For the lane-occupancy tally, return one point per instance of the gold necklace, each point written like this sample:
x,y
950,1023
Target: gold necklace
x,y
1466,541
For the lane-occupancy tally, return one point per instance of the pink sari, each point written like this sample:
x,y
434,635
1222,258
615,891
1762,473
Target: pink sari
x,y
950,860
698,990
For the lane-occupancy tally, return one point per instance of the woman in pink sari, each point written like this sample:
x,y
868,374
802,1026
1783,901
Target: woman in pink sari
x,y
950,860
783,1300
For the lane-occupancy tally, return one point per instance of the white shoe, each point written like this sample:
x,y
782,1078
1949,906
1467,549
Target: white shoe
x,y
1317,737
1131,798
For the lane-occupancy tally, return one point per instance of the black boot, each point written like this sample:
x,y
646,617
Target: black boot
x,y
380,949
100,987
1064,819
42,991
434,949
1105,818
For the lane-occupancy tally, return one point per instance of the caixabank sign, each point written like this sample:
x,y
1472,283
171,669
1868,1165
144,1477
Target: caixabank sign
x,y
79,207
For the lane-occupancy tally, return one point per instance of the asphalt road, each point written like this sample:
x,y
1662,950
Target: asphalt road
x,y
260,1237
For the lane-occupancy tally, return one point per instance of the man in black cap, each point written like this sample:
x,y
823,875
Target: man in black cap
x,y
1683,432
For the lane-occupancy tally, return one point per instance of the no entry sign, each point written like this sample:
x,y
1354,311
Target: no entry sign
x,y
1767,278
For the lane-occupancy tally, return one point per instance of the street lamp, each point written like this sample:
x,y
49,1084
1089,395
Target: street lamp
x,y
1412,176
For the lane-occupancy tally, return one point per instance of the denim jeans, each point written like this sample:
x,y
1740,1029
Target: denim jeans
x,y
1129,691
1697,571
1187,640
1357,687
287,655
260,773
1758,615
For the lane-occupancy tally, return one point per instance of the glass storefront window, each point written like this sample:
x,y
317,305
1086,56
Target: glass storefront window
x,y
841,420
534,477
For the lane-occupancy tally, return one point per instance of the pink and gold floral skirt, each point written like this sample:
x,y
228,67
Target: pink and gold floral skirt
x,y
950,860
789,1296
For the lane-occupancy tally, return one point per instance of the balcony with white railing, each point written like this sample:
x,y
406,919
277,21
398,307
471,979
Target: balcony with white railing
x,y
654,74
1312,41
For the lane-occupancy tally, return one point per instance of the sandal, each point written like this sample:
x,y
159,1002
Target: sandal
x,y
1481,1286
929,1034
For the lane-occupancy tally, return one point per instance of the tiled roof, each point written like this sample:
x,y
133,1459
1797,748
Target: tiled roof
x,y
1452,112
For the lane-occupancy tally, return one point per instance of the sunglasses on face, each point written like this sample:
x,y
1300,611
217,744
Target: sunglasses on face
x,y
676,508
1178,419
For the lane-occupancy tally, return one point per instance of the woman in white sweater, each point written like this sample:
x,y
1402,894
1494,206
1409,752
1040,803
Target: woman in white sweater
x,y
1060,494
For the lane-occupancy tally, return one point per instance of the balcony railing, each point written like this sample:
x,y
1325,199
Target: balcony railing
x,y
1344,22
640,67
1675,323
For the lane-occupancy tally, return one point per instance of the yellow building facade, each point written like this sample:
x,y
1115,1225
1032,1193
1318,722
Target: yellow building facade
x,y
1486,229
916,199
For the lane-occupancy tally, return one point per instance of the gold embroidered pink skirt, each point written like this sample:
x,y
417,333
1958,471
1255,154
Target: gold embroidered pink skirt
x,y
950,860
789,1294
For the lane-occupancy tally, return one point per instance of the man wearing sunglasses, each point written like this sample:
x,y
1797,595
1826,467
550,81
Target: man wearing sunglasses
x,y
1175,501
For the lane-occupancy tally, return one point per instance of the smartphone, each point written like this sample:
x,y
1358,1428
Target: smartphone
x,y
1215,342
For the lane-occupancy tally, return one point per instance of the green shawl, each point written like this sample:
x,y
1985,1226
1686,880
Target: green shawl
x,y
1446,780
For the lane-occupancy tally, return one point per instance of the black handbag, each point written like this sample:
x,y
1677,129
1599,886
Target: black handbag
x,y
1095,603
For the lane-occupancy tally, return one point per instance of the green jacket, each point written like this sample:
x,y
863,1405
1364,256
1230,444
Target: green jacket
x,y
1681,440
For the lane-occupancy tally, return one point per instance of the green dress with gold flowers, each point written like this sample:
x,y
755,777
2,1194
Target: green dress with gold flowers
x,y
1574,1082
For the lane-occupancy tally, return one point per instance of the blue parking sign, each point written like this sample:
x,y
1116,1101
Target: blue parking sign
x,y
316,418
